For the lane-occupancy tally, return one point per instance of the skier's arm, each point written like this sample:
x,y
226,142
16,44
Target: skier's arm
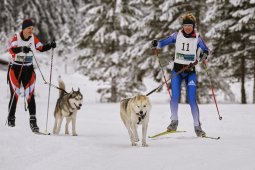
x,y
202,50
167,41
13,46
202,45
40,47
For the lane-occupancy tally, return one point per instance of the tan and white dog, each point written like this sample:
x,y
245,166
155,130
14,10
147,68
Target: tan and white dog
x,y
67,106
133,112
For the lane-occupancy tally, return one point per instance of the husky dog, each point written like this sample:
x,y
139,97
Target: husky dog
x,y
67,106
133,112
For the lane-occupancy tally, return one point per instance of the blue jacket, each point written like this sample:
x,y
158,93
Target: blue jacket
x,y
172,40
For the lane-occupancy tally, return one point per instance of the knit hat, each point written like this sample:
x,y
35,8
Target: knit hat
x,y
27,23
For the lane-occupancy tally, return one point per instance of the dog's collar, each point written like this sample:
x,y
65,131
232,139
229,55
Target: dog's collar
x,y
140,117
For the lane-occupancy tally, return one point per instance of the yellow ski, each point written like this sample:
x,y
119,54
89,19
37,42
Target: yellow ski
x,y
165,133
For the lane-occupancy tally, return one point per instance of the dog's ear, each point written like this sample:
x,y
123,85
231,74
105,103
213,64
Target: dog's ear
x,y
78,89
72,90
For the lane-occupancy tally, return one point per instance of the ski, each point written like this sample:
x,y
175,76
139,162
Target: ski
x,y
209,137
165,133
41,133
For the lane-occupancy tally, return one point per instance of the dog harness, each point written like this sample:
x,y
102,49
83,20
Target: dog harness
x,y
140,117
69,110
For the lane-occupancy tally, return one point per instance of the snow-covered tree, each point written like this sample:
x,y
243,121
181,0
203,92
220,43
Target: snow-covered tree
x,y
55,22
230,34
245,26
109,46
7,23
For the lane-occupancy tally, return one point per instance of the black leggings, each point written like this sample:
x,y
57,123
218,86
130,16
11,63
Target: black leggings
x,y
27,78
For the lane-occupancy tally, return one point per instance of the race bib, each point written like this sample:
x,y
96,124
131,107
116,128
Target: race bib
x,y
24,58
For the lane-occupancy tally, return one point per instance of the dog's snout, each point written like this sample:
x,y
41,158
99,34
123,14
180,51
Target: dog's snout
x,y
80,105
141,112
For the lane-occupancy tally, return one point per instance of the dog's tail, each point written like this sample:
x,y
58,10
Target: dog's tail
x,y
61,85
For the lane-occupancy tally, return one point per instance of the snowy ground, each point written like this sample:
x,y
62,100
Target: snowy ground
x,y
103,142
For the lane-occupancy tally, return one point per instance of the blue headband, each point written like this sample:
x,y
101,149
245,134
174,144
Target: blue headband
x,y
188,21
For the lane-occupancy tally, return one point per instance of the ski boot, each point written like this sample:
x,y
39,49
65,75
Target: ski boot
x,y
173,126
33,124
199,132
11,122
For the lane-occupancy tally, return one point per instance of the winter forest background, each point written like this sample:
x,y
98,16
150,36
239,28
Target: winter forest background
x,y
109,40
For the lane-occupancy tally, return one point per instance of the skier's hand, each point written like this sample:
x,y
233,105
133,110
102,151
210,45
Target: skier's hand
x,y
203,57
53,44
25,49
154,43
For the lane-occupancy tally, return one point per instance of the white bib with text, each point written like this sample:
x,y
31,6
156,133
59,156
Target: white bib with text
x,y
185,49
20,43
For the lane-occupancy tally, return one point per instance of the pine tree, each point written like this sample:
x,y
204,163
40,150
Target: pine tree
x,y
231,41
110,47
53,19
245,26
7,23
221,61
58,19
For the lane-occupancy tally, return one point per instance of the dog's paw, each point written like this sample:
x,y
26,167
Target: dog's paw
x,y
134,144
145,145
75,134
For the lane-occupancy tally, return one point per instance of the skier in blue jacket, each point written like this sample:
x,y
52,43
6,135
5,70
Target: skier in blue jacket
x,y
189,47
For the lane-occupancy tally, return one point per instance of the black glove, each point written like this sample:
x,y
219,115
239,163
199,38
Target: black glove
x,y
53,44
25,49
203,56
154,43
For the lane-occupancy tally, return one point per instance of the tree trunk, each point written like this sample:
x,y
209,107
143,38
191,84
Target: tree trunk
x,y
113,90
243,95
254,83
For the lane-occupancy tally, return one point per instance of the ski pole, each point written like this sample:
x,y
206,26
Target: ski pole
x,y
212,89
167,86
45,82
51,62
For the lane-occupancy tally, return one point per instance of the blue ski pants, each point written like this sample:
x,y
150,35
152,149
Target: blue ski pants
x,y
191,81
